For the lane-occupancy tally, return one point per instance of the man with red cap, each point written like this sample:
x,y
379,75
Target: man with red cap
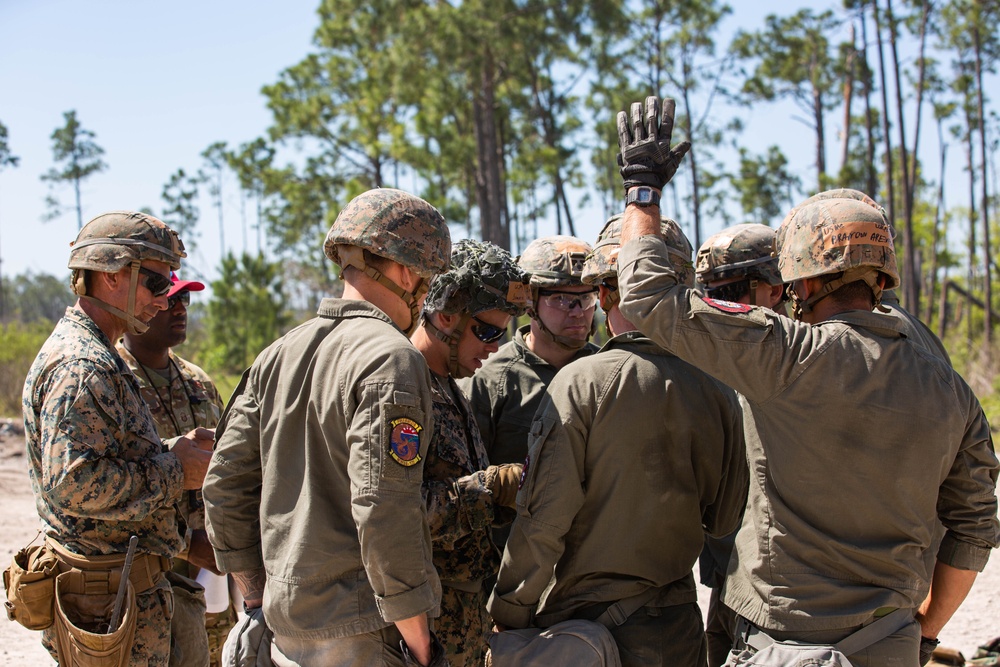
x,y
181,396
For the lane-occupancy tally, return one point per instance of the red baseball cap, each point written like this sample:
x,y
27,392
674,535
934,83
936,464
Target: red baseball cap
x,y
180,285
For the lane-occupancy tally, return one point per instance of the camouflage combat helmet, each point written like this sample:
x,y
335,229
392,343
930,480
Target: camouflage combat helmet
x,y
398,226
737,252
602,263
112,241
554,261
841,231
482,277
115,240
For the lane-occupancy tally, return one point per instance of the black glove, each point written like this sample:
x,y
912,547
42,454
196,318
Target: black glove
x,y
249,642
646,157
927,647
438,658
503,482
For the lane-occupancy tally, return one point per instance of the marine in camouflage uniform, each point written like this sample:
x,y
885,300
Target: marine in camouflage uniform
x,y
181,396
98,468
613,508
466,311
832,398
315,505
739,265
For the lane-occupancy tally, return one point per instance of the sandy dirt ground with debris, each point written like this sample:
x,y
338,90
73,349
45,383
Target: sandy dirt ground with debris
x,y
976,622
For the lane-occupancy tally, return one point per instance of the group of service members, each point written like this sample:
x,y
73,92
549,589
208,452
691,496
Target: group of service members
x,y
388,485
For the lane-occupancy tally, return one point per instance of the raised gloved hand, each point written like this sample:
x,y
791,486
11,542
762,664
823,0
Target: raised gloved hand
x,y
646,157
502,481
927,647
249,642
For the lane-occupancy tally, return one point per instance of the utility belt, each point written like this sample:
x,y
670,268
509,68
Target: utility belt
x,y
99,575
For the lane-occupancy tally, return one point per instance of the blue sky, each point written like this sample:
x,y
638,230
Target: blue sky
x,y
159,82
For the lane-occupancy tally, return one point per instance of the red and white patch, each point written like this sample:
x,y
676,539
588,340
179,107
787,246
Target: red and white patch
x,y
728,306
524,472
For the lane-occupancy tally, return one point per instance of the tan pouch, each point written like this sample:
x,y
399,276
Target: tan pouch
x,y
81,624
30,585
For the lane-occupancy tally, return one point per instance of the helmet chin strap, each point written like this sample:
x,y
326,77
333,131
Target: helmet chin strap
x,y
452,340
136,327
354,256
864,273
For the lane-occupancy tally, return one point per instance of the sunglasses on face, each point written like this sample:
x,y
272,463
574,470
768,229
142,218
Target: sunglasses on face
x,y
157,283
183,297
569,300
486,332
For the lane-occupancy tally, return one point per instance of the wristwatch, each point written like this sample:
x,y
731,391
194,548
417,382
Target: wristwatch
x,y
642,196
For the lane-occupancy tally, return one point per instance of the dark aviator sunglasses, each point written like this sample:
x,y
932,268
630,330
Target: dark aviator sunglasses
x,y
486,332
157,283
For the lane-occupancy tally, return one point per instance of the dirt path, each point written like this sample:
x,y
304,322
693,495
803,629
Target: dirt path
x,y
976,622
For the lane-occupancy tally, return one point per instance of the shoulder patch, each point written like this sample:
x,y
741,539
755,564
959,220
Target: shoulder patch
x,y
524,472
404,441
728,306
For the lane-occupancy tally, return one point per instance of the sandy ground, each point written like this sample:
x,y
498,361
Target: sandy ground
x,y
976,622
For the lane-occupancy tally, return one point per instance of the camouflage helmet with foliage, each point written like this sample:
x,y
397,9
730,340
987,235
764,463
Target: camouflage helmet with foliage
x,y
836,231
392,224
740,251
112,241
482,277
602,262
554,261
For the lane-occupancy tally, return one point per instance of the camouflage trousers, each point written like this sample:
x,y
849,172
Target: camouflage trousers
x,y
463,626
218,627
151,646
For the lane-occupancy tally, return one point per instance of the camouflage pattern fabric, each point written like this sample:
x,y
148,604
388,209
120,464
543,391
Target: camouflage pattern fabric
x,y
554,261
191,400
460,514
463,627
828,234
395,225
112,240
602,262
740,251
98,469
482,277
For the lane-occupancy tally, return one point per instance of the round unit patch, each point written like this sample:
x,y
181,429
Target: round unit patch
x,y
404,441
728,306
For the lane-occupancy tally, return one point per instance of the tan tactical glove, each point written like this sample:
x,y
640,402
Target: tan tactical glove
x,y
502,481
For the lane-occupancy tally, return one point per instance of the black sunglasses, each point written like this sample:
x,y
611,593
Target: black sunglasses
x,y
487,332
157,283
183,297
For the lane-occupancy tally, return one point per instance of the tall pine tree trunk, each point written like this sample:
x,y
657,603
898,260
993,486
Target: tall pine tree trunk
x,y
984,207
890,195
488,185
911,285
871,182
849,68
